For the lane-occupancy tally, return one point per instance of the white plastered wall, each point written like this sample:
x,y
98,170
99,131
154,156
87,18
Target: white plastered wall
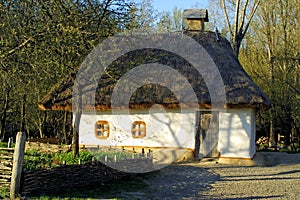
x,y
163,129
237,133
173,129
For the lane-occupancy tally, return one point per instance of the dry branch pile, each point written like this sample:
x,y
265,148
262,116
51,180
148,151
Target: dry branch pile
x,y
46,147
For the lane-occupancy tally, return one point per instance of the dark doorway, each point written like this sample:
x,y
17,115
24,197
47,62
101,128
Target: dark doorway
x,y
207,134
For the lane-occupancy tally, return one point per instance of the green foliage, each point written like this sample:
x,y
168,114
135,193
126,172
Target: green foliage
x,y
43,41
4,193
3,144
100,155
84,156
33,159
271,57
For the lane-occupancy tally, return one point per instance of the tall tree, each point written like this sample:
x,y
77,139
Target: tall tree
x,y
271,57
41,42
238,10
171,21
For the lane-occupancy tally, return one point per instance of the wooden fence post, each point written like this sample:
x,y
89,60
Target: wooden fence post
x,y
9,142
17,165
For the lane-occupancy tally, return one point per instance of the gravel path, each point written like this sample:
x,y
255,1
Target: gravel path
x,y
184,181
278,177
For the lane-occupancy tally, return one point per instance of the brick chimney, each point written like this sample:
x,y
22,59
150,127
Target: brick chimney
x,y
195,19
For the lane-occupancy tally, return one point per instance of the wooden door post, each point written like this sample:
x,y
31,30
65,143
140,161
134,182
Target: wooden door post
x,y
17,165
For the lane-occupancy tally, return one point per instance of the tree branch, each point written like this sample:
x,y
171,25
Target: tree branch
x,y
254,8
16,48
236,20
243,16
226,17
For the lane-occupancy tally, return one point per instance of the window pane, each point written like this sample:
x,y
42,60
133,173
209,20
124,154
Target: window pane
x,y
138,129
105,133
102,129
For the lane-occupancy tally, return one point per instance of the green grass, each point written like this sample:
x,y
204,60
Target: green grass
x,y
4,145
34,159
100,155
4,193
129,189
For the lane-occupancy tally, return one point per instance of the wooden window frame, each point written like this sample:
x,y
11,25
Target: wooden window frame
x,y
139,129
102,129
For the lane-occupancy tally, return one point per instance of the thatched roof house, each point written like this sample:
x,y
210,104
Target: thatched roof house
x,y
231,131
241,91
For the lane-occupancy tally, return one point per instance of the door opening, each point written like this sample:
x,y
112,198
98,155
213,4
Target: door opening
x,y
207,134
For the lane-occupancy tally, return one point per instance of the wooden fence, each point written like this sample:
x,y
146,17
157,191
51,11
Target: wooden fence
x,y
54,180
6,162
49,179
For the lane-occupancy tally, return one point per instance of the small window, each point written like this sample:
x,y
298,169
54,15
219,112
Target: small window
x,y
138,129
102,129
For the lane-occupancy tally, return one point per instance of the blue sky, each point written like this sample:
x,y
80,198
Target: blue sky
x,y
168,5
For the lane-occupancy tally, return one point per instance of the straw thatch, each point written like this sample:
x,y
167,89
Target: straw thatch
x,y
241,91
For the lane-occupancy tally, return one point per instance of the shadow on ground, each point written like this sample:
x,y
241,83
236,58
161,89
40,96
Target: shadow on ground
x,y
177,181
182,181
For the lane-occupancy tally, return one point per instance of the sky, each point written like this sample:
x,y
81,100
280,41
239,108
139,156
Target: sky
x,y
168,5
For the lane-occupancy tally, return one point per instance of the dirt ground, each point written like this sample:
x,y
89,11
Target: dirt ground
x,y
276,176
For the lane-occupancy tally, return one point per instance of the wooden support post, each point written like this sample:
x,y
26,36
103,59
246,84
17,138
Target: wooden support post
x,y
17,165
9,142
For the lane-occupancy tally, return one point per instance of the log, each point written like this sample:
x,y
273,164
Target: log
x,y
6,157
7,149
3,176
3,167
17,165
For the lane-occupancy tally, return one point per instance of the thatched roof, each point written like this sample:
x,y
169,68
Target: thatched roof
x,y
241,91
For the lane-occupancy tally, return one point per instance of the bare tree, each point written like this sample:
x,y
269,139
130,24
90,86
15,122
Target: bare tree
x,y
239,11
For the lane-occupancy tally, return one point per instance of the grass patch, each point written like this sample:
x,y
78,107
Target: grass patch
x,y
4,145
34,159
4,193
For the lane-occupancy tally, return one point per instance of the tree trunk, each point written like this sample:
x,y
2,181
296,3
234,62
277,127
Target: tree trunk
x,y
3,118
240,26
75,140
22,125
273,136
43,125
65,124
